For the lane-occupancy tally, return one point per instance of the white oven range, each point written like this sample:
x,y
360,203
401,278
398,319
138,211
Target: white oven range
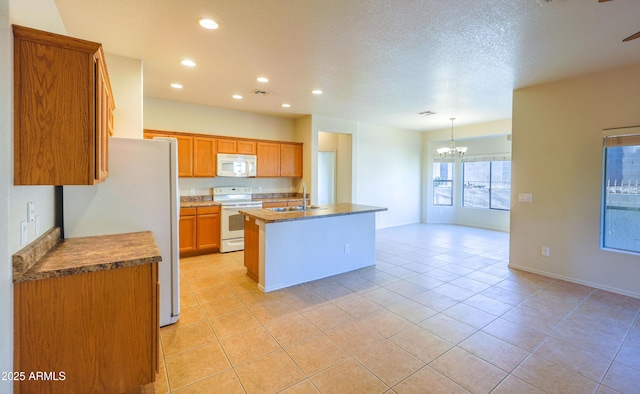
x,y
232,223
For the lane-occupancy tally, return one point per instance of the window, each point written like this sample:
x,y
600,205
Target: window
x,y
621,202
487,184
443,183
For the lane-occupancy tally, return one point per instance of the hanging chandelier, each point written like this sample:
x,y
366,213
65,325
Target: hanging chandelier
x,y
452,150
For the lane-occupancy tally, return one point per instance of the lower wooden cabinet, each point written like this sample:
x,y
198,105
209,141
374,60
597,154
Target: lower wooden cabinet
x,y
93,332
199,230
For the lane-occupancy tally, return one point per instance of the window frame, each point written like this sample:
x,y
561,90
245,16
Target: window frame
x,y
449,181
489,160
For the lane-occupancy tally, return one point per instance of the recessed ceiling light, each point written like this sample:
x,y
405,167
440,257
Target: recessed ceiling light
x,y
176,86
285,105
237,97
188,63
317,91
262,79
208,23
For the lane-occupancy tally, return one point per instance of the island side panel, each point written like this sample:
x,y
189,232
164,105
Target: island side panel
x,y
305,250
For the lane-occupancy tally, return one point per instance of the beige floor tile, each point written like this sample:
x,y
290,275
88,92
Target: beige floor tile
x,y
188,315
329,289
629,353
186,337
304,387
489,348
533,319
411,310
248,345
515,334
469,371
269,374
385,323
195,364
421,343
383,296
469,315
187,298
505,295
291,329
304,300
448,328
455,292
212,293
348,376
222,306
202,280
327,317
354,282
434,300
222,383
588,337
406,288
488,304
233,323
553,378
622,378
585,363
389,362
315,353
511,385
354,336
428,381
357,306
267,312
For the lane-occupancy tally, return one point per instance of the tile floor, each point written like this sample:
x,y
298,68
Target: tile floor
x,y
440,312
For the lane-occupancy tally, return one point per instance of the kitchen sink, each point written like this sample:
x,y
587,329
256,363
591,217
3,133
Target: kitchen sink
x,y
295,209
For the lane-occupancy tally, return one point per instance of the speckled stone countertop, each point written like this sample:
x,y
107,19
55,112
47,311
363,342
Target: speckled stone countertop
x,y
269,216
89,254
207,200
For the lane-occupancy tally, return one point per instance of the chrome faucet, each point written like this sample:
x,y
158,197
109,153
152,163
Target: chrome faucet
x,y
304,196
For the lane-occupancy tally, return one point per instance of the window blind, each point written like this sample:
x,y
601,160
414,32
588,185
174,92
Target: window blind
x,y
624,136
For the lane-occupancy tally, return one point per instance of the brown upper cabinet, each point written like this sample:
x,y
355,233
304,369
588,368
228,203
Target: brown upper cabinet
x,y
197,154
63,109
243,147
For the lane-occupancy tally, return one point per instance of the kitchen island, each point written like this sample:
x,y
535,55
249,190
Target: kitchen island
x,y
289,247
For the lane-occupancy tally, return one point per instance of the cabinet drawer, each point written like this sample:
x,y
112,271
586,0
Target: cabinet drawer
x,y
208,210
187,211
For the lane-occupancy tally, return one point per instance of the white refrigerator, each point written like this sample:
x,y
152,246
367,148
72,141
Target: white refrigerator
x,y
139,194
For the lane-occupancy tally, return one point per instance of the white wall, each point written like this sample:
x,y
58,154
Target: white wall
x,y
125,75
388,162
13,199
341,144
557,156
482,139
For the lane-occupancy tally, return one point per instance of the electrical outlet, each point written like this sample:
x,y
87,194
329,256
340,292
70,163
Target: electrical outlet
x,y
525,197
544,250
23,232
347,248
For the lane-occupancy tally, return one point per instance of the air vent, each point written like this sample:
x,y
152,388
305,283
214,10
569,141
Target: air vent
x,y
259,92
426,113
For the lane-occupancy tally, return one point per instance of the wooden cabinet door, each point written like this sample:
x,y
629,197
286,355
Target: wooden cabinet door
x,y
204,157
251,249
185,155
104,119
208,231
268,159
246,147
226,146
290,160
188,233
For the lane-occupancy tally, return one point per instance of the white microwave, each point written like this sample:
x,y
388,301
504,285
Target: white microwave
x,y
236,165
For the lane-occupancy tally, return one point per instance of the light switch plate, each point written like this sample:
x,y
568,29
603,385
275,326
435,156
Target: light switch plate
x,y
23,232
30,212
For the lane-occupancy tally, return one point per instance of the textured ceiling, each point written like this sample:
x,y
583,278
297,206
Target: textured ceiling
x,y
377,61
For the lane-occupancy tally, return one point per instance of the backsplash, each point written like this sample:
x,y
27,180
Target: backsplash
x,y
203,186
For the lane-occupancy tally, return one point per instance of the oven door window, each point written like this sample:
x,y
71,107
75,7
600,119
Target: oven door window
x,y
236,222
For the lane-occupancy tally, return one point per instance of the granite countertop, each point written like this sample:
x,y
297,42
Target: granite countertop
x,y
207,200
48,257
269,216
